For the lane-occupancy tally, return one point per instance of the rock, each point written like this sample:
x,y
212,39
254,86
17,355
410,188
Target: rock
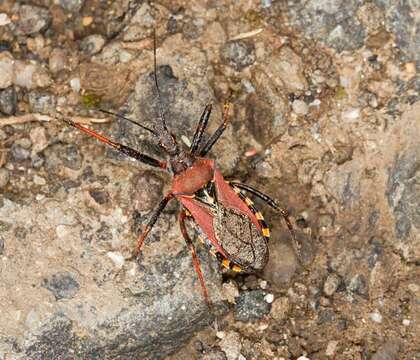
x,y
331,284
387,351
331,348
231,345
41,102
300,107
8,101
1,242
39,139
251,305
30,75
4,19
92,44
281,265
238,54
19,153
62,285
4,177
32,20
71,5
58,60
376,317
280,308
6,69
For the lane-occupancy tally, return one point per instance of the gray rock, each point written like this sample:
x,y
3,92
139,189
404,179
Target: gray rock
x,y
331,284
62,285
58,60
19,153
71,5
32,20
8,101
92,44
30,75
41,102
335,23
251,305
238,54
1,245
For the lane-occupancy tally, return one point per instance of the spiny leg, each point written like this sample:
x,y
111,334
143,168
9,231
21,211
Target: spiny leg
x,y
284,213
120,147
216,135
196,262
202,124
156,213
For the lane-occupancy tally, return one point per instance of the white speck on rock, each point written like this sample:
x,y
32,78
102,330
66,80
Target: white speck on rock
x,y
300,107
220,334
62,231
116,258
406,322
4,19
75,84
39,180
376,317
331,348
269,298
351,114
303,358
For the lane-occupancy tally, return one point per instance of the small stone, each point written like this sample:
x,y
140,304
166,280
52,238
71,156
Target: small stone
x,y
331,284
269,298
358,285
351,114
238,54
8,100
231,345
75,84
376,317
62,285
71,5
1,245
117,258
4,177
280,308
39,180
92,44
32,19
300,107
87,20
38,138
4,19
230,291
387,351
41,102
101,197
30,75
58,60
251,305
331,348
303,358
263,284
6,69
220,334
19,153
414,288
406,322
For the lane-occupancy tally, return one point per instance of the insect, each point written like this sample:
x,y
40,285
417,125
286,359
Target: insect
x,y
228,223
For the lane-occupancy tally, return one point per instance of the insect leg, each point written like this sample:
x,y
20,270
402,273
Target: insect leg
x,y
202,124
120,147
284,213
196,262
216,135
156,213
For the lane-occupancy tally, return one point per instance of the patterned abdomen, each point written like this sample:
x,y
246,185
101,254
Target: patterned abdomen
x,y
242,241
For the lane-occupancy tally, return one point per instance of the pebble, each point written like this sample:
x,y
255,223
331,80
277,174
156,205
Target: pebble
x,y
32,20
351,114
1,245
331,348
62,285
269,298
406,322
238,54
19,153
280,308
92,44
39,180
303,358
8,100
58,60
117,258
75,84
231,345
71,5
230,291
30,75
300,107
331,284
38,137
6,69
251,305
41,102
4,19
376,317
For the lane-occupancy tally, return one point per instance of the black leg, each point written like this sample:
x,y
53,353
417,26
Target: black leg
x,y
202,124
196,262
155,215
284,213
212,140
120,147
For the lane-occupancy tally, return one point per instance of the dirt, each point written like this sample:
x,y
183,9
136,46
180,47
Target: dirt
x,y
324,119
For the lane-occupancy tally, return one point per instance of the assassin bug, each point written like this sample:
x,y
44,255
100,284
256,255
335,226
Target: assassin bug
x,y
228,223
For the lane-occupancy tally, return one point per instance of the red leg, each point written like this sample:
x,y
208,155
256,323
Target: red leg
x,y
196,262
120,147
151,222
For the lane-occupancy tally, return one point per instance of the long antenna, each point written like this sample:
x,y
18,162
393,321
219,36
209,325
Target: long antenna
x,y
127,119
161,111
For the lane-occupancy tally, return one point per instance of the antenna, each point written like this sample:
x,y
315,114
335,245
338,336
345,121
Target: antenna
x,y
161,111
127,119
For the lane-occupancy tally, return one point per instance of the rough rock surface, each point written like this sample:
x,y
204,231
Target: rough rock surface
x,y
325,119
